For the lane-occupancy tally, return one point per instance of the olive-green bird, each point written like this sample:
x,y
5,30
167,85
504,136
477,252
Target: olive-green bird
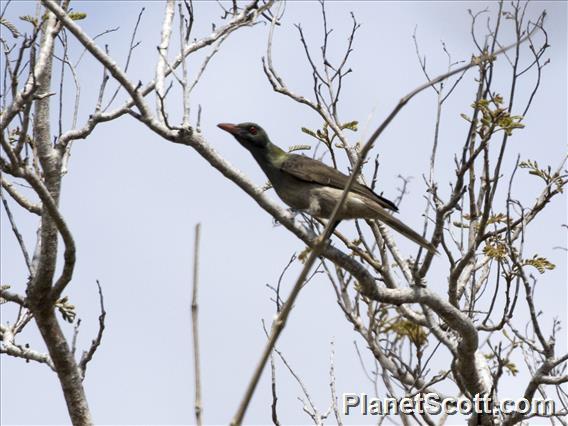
x,y
310,185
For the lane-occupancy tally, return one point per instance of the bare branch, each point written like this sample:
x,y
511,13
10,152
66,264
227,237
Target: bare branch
x,y
88,355
332,380
26,95
133,45
6,295
115,71
163,55
195,328
69,253
245,18
17,233
10,348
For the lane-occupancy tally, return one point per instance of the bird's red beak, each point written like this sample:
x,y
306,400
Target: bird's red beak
x,y
231,128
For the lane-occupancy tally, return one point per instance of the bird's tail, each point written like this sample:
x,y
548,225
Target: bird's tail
x,y
405,230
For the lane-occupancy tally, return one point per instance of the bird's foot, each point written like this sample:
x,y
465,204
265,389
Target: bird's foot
x,y
419,283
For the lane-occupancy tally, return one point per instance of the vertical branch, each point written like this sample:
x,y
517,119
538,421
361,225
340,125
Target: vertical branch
x,y
162,58
133,45
182,42
63,39
88,355
195,327
332,380
16,233
273,390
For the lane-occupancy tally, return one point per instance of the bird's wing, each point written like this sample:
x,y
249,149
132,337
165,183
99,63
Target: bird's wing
x,y
309,170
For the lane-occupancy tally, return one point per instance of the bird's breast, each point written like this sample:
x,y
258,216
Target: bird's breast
x,y
320,201
316,199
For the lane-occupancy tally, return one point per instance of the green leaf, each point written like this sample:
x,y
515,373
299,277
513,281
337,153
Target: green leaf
x,y
496,249
29,19
10,26
309,132
542,264
351,125
77,16
511,367
404,328
299,148
66,309
497,218
545,174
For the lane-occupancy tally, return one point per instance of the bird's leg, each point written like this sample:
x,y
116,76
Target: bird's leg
x,y
293,212
332,230
324,223
333,226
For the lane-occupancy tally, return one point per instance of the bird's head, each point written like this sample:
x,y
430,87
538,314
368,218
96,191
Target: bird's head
x,y
249,135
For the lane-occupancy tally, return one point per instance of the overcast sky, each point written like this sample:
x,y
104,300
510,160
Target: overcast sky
x,y
132,201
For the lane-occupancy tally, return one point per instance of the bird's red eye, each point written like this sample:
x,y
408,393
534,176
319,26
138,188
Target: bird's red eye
x,y
252,130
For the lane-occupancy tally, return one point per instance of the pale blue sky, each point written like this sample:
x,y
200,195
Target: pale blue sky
x,y
132,200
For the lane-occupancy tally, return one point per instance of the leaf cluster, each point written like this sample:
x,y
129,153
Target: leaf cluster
x,y
497,248
494,116
325,136
75,16
546,175
404,328
66,309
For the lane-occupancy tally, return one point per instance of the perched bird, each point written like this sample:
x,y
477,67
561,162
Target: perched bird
x,y
310,185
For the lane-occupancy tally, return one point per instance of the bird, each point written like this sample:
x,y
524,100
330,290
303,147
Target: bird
x,y
312,186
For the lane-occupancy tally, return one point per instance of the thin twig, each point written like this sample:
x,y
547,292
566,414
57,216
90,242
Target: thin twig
x,y
17,233
332,387
131,48
195,327
88,355
163,60
273,406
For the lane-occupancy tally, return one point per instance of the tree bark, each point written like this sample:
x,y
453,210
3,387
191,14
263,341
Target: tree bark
x,y
39,291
